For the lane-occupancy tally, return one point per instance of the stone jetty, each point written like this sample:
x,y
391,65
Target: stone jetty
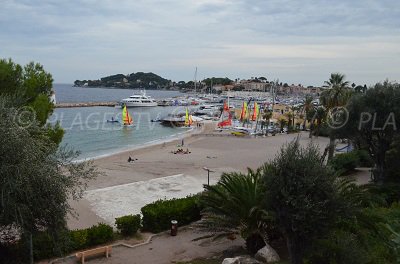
x,y
86,104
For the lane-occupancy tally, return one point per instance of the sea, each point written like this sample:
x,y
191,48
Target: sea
x,y
87,130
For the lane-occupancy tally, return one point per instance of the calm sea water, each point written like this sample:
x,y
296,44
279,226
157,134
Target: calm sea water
x,y
66,93
87,130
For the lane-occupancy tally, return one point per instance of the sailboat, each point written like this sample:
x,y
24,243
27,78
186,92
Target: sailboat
x,y
244,116
188,119
243,113
126,117
256,111
226,118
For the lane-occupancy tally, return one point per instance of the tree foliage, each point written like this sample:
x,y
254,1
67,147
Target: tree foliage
x,y
303,194
36,178
337,94
30,86
217,80
235,206
338,91
373,122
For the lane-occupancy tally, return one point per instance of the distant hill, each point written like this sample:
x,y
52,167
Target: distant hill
x,y
147,80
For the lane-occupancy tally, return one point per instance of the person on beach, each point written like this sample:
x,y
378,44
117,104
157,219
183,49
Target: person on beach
x,y
131,160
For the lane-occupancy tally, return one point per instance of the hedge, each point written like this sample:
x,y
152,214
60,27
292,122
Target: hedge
x,y
47,246
157,216
128,225
365,158
345,162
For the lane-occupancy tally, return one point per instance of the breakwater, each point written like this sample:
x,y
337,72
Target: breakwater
x,y
86,104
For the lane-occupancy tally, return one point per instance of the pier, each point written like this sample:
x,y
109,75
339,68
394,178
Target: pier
x,y
87,104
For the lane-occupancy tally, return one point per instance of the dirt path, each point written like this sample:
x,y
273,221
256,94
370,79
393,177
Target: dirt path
x,y
165,249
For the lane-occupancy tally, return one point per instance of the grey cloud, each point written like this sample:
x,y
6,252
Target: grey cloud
x,y
123,36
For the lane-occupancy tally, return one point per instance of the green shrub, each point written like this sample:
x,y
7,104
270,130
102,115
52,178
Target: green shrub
x,y
324,131
95,235
128,225
389,192
392,161
157,216
345,162
99,234
365,158
339,247
46,244
49,245
43,246
78,239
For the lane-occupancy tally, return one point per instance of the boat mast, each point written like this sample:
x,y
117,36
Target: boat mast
x,y
195,81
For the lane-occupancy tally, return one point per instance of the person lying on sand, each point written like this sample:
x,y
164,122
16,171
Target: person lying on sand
x,y
131,160
181,151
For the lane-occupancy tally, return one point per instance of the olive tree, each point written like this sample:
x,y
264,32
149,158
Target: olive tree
x,y
303,194
373,122
36,177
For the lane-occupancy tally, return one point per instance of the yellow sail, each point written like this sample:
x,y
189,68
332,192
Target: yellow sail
x,y
255,112
126,118
243,114
187,122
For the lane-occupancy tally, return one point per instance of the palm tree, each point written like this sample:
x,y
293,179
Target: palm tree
x,y
320,117
290,117
316,116
234,206
306,108
282,123
337,94
294,109
267,115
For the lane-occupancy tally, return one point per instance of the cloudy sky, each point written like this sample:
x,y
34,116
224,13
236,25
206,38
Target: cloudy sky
x,y
293,41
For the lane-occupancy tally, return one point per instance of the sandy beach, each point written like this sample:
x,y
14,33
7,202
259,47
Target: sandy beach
x,y
157,173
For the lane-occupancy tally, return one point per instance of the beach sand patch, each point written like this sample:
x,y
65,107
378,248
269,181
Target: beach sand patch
x,y
125,199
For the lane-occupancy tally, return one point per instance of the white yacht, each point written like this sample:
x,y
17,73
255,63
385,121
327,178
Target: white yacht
x,y
136,100
207,109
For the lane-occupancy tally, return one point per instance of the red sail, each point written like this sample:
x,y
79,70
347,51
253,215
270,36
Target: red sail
x,y
226,118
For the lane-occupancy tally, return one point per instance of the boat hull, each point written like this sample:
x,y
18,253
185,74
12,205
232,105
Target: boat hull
x,y
130,104
173,123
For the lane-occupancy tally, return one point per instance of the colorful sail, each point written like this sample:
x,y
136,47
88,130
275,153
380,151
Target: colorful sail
x,y
126,118
187,121
226,118
190,120
256,111
243,114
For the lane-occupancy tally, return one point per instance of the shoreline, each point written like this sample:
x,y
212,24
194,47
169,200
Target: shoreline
x,y
153,143
157,172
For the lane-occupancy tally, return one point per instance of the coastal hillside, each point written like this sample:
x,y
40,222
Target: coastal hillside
x,y
147,80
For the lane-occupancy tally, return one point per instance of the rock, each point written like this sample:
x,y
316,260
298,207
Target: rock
x,y
233,251
267,255
241,260
248,260
231,261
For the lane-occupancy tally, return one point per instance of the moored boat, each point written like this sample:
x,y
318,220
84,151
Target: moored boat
x,y
141,100
241,131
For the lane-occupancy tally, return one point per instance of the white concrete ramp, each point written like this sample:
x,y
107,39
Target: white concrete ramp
x,y
120,200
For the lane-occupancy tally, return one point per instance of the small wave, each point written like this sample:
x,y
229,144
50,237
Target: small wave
x,y
111,152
